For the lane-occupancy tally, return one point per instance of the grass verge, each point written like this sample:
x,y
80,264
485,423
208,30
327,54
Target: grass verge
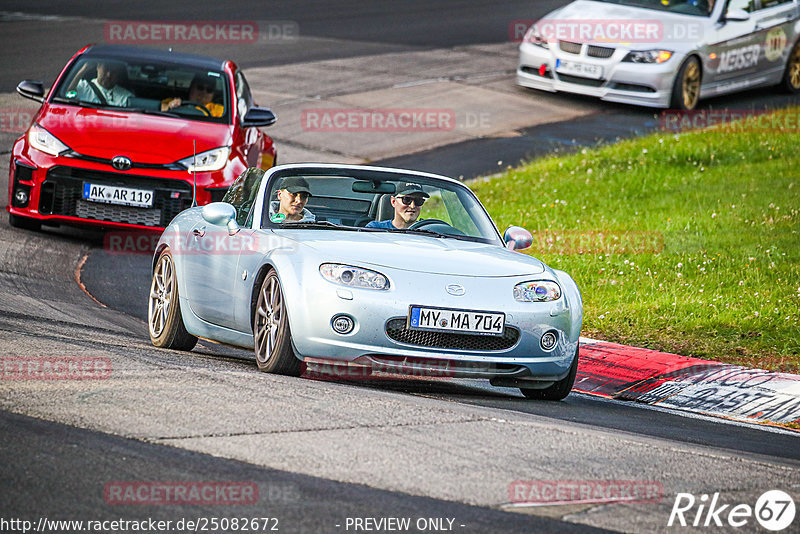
x,y
686,243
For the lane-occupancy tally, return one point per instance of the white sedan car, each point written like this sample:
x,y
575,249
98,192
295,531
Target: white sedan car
x,y
663,53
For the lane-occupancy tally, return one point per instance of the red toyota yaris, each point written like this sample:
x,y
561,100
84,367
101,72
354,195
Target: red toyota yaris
x,y
127,137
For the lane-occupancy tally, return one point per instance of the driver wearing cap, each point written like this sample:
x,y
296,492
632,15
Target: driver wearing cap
x,y
293,193
407,206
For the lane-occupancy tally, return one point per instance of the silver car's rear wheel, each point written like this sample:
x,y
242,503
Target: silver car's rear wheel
x,y
164,319
273,339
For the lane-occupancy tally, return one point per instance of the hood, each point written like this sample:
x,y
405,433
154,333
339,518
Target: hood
x,y
678,30
143,138
416,253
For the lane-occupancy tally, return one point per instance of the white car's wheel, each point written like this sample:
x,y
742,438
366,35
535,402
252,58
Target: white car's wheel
x,y
273,339
791,78
686,90
164,310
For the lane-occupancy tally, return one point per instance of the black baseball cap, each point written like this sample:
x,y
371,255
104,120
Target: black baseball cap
x,y
411,189
295,184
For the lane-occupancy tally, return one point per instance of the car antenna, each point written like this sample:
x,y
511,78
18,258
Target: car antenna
x,y
194,176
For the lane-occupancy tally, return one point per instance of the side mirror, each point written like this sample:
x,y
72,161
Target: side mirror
x,y
737,15
517,238
221,214
31,89
256,117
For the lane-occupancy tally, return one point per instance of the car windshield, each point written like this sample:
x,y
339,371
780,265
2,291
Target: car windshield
x,y
140,86
368,200
702,8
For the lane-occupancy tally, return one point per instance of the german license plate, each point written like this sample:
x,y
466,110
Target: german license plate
x,y
576,68
464,321
126,196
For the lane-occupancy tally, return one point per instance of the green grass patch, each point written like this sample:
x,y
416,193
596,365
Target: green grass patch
x,y
686,243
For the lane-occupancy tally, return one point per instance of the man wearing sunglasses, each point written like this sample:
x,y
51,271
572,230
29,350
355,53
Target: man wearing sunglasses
x,y
293,193
407,206
201,90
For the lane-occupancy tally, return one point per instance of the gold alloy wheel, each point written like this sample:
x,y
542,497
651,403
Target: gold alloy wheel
x,y
794,67
691,85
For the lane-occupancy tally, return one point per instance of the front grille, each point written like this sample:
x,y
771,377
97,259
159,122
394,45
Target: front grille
x,y
396,329
579,80
633,87
62,194
599,51
530,70
570,48
114,213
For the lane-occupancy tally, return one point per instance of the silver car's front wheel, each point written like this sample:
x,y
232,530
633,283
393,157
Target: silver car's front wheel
x,y
686,90
273,339
164,319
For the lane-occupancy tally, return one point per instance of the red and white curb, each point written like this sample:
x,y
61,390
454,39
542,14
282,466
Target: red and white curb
x,y
702,386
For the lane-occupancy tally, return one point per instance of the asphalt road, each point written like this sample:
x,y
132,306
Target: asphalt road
x,y
319,451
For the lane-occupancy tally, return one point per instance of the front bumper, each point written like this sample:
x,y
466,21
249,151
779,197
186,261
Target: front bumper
x,y
53,187
630,83
379,340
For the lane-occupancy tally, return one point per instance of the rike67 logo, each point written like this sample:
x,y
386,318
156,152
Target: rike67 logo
x,y
774,510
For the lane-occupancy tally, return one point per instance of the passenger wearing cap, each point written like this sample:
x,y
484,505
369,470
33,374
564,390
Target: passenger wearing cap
x,y
201,90
407,206
293,193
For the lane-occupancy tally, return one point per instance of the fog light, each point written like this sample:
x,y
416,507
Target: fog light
x,y
21,196
549,340
342,324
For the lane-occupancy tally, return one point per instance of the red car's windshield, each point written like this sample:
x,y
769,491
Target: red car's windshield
x,y
147,87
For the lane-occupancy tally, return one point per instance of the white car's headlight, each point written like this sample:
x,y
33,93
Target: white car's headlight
x,y
535,37
210,160
350,276
537,291
648,56
41,139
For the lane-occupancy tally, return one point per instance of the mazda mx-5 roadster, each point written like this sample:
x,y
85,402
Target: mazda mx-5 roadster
x,y
374,267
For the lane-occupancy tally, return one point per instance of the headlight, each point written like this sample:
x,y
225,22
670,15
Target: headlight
x,y
534,36
350,276
210,160
648,56
537,291
41,139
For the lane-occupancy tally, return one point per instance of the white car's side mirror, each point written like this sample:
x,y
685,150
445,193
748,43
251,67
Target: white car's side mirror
x,y
517,238
737,15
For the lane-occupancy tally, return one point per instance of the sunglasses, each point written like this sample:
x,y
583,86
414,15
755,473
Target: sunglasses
x,y
418,201
204,87
303,195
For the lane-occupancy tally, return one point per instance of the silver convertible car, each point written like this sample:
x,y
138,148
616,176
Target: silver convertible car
x,y
373,267
663,53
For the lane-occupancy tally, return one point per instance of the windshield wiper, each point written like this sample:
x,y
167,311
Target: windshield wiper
x,y
316,224
154,112
81,103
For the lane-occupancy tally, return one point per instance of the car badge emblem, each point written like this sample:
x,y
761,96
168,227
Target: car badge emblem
x,y
455,289
121,163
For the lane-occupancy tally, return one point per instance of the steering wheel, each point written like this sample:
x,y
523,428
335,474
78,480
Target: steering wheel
x,y
426,222
196,105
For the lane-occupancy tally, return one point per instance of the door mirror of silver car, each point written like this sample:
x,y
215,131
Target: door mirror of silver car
x,y
517,238
31,89
737,15
221,214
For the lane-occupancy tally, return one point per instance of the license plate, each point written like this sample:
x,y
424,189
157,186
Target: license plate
x,y
126,196
464,321
579,69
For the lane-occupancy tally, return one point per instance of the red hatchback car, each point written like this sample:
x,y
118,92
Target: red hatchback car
x,y
127,137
